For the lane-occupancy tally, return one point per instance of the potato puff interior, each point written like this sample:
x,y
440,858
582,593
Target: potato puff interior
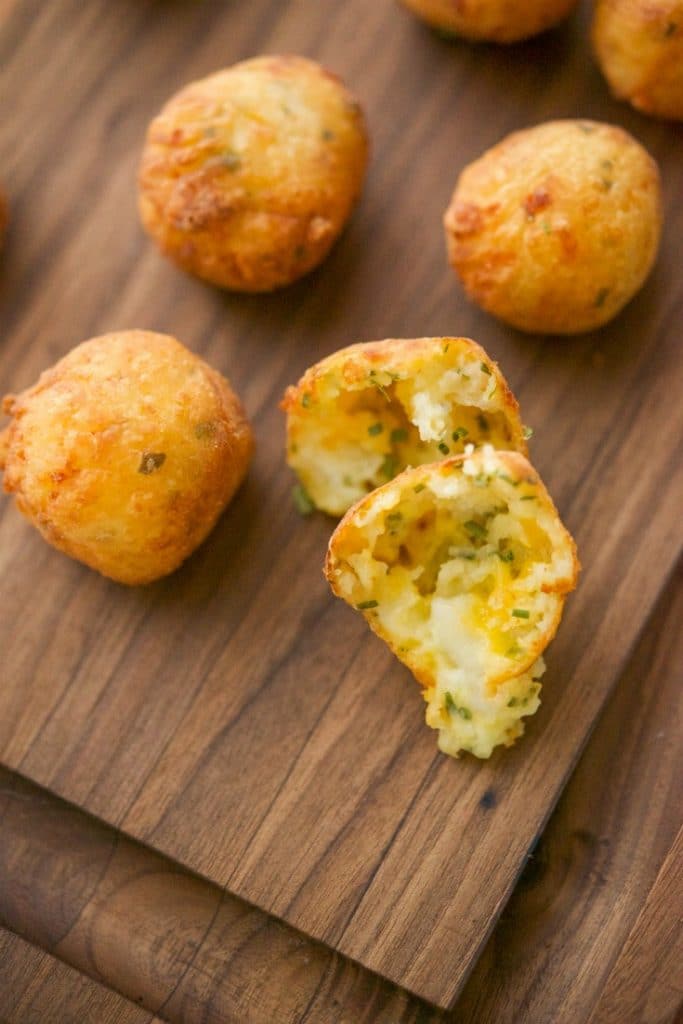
x,y
365,413
462,567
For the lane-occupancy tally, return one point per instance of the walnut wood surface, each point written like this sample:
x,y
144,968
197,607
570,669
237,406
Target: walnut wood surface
x,y
563,933
36,988
178,946
234,716
646,983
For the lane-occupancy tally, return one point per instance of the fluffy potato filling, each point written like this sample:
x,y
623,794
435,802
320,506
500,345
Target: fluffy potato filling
x,y
459,573
351,432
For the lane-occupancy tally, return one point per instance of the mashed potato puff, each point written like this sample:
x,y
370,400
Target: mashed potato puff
x,y
125,453
360,416
248,176
462,567
496,21
556,228
639,47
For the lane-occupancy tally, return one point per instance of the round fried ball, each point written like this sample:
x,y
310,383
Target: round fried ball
x,y
248,176
556,228
496,21
639,47
125,453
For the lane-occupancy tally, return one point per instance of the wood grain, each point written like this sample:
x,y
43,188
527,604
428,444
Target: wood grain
x,y
163,937
216,715
116,910
568,922
646,983
35,988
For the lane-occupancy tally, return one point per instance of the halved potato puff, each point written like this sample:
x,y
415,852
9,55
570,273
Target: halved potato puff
x,y
462,567
363,414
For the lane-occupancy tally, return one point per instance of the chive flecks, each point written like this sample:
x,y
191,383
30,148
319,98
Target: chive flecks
x,y
150,462
459,432
302,501
446,347
528,497
600,297
394,517
398,436
513,702
375,428
527,432
389,467
506,555
475,529
443,448
306,400
482,421
485,369
453,709
419,487
521,613
327,135
231,160
364,606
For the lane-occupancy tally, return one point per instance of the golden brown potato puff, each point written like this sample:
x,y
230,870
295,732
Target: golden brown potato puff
x,y
249,175
555,229
125,452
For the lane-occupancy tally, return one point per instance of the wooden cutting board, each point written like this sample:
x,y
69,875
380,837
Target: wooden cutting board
x,y
235,716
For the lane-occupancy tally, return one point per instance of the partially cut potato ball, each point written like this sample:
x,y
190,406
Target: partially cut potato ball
x,y
462,567
363,414
639,46
125,453
496,21
556,228
248,176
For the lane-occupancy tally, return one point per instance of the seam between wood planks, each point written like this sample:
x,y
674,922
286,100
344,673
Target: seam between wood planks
x,y
64,877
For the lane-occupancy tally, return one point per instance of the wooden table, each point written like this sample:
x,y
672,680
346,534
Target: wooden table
x,y
148,840
592,932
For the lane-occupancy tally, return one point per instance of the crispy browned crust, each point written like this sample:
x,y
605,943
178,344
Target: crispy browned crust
x,y
519,468
533,254
238,227
353,363
496,21
181,513
639,47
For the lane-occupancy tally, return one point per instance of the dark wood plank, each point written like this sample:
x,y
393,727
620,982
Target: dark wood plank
x,y
646,983
163,937
163,710
586,883
177,944
35,988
